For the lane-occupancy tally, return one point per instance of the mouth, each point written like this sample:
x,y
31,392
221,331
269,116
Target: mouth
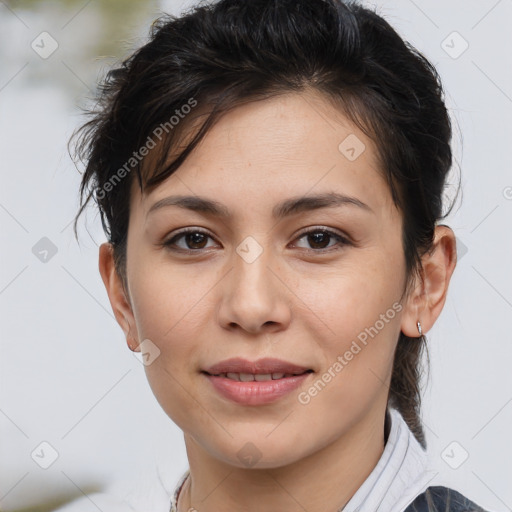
x,y
245,370
256,383
259,377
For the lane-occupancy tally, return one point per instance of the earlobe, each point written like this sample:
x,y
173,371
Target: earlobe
x,y
132,343
427,300
120,305
413,323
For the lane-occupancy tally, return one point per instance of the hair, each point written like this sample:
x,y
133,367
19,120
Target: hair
x,y
222,54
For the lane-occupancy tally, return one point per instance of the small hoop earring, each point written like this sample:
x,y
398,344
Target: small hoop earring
x,y
419,328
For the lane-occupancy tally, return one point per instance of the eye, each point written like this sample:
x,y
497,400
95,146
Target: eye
x,y
194,240
319,238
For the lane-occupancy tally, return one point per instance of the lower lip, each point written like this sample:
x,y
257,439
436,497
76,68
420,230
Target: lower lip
x,y
256,392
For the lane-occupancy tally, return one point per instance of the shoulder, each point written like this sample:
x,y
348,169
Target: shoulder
x,y
442,499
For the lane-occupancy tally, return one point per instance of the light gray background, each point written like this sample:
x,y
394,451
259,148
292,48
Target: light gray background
x,y
66,375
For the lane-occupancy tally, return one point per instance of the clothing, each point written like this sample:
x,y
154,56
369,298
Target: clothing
x,y
442,499
398,483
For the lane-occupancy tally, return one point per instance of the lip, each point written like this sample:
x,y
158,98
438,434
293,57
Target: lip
x,y
264,365
256,392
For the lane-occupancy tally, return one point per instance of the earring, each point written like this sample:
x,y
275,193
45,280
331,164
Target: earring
x,y
419,328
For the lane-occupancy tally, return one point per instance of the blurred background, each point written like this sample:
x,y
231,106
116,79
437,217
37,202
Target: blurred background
x,y
76,413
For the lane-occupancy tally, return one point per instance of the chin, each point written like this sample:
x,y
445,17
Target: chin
x,y
252,451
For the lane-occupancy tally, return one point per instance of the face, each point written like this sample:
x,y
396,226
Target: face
x,y
317,285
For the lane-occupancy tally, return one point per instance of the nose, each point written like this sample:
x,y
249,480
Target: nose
x,y
254,294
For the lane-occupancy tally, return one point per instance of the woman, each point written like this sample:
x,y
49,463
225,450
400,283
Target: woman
x,y
269,175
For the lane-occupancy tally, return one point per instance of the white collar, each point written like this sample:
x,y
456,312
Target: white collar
x,y
399,476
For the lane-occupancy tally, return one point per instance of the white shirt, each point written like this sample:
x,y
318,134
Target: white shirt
x,y
400,475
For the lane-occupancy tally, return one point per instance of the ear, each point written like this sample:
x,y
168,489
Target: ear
x,y
427,299
120,304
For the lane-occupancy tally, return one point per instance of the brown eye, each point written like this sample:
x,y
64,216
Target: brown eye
x,y
197,240
194,239
319,239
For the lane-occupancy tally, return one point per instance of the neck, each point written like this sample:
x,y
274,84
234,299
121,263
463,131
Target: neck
x,y
324,480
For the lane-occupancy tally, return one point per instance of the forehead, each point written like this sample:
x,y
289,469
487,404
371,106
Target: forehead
x,y
292,142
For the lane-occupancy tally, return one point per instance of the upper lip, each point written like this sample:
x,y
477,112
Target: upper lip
x,y
260,366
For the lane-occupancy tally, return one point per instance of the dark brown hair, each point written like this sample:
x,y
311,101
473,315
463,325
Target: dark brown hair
x,y
221,54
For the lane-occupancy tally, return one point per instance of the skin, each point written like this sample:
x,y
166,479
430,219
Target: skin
x,y
291,303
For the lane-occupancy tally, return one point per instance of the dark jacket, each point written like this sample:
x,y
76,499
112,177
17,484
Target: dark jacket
x,y
442,499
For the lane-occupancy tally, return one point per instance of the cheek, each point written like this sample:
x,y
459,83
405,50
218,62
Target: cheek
x,y
359,315
353,298
169,301
358,350
167,309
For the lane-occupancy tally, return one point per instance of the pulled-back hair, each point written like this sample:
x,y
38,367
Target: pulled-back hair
x,y
219,55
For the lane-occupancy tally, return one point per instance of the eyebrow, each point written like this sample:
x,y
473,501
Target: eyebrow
x,y
286,208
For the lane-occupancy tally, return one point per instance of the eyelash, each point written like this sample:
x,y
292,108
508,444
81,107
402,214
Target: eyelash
x,y
341,240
